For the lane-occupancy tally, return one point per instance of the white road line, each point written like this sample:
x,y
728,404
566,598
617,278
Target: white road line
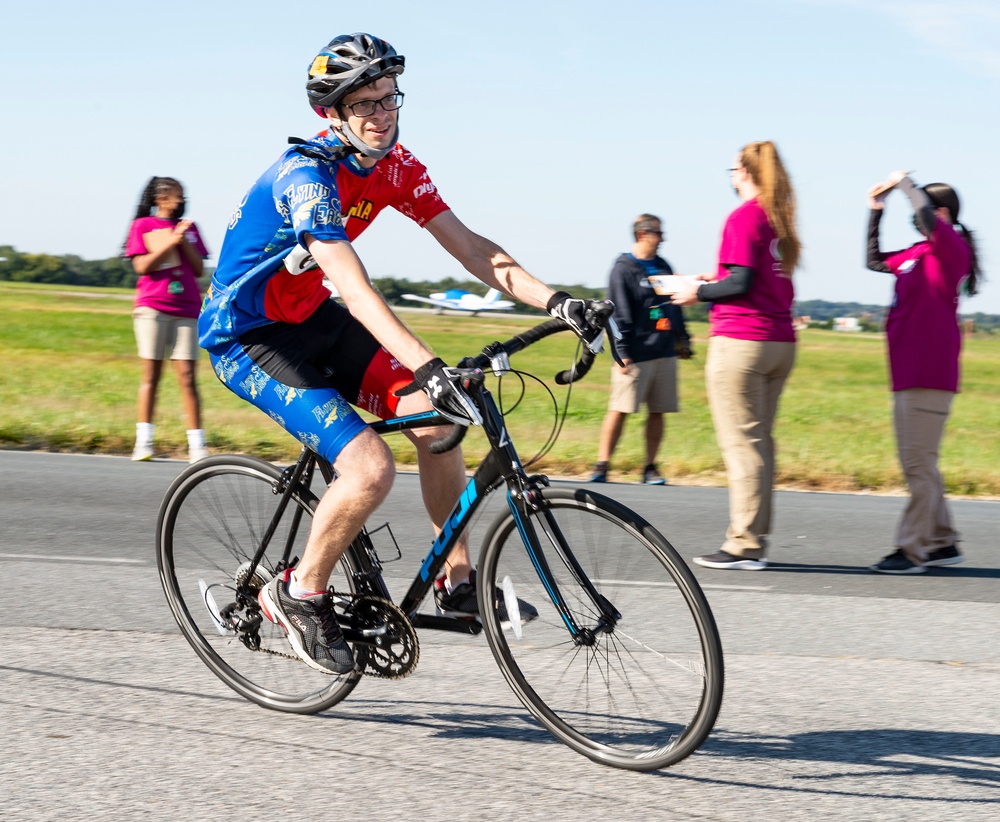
x,y
737,587
671,585
52,558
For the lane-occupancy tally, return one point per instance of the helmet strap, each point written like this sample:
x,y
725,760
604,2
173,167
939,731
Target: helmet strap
x,y
363,147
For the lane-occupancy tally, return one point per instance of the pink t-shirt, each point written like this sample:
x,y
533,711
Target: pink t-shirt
x,y
173,287
922,326
765,311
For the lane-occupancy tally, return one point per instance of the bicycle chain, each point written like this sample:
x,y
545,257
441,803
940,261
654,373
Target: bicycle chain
x,y
278,653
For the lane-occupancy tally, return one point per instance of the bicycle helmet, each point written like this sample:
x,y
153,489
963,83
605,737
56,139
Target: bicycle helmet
x,y
346,63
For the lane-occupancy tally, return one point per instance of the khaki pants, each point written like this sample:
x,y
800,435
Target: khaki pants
x,y
158,334
920,415
744,379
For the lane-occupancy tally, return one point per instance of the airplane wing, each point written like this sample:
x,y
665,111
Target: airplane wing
x,y
419,299
471,303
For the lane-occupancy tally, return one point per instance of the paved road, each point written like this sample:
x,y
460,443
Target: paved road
x,y
848,695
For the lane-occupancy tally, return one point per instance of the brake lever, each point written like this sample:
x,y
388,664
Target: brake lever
x,y
614,337
472,384
604,314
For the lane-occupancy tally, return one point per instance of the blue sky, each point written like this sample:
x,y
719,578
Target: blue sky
x,y
546,126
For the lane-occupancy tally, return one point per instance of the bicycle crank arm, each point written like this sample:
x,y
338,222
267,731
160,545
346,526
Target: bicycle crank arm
x,y
441,623
376,639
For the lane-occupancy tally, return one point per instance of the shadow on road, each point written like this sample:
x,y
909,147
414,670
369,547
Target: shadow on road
x,y
964,572
852,762
969,759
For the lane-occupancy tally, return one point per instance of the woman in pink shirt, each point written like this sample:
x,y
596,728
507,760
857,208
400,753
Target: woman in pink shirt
x,y
167,254
924,344
751,349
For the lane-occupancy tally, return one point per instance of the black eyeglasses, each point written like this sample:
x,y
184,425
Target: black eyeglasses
x,y
366,108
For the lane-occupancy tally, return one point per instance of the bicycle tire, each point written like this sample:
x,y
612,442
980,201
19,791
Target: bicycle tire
x,y
646,693
210,524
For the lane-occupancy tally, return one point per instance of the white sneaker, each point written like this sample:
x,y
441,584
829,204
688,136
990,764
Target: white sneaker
x,y
142,453
195,454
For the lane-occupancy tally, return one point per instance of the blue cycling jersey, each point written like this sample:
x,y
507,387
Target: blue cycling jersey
x,y
264,274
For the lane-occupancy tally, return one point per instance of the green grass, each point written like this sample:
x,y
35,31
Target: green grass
x,y
70,376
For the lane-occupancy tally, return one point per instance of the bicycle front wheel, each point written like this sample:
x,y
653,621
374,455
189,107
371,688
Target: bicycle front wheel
x,y
211,523
640,689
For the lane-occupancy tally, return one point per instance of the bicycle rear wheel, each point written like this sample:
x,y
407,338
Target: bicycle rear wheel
x,y
211,523
642,693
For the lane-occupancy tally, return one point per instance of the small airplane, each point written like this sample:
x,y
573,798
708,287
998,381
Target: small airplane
x,y
455,299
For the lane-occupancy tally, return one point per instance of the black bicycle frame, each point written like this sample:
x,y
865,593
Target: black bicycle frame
x,y
501,466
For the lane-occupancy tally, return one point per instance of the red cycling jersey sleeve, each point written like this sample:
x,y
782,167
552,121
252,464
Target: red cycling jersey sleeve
x,y
399,180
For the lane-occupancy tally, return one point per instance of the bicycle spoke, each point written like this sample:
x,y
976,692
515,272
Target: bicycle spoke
x,y
214,517
639,693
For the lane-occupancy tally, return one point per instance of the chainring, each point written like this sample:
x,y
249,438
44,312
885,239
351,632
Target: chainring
x,y
393,651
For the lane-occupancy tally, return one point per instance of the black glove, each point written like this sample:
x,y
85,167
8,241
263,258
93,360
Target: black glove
x,y
684,350
444,387
580,316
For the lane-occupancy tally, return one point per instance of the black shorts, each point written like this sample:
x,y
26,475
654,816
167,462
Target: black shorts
x,y
306,376
329,349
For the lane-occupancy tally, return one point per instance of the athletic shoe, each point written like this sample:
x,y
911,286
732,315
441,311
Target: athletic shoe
x,y
650,476
195,454
897,563
462,601
944,556
311,626
724,560
142,453
599,476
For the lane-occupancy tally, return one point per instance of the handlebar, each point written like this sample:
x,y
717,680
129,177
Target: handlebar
x,y
450,440
518,343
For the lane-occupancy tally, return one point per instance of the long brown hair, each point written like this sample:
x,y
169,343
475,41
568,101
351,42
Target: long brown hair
x,y
776,197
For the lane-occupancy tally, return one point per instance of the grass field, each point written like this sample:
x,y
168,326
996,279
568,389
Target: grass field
x,y
69,379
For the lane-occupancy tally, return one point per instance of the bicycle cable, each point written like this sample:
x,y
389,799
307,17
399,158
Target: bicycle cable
x,y
559,419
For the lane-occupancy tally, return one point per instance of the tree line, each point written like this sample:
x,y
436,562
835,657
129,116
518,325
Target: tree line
x,y
70,269
16,266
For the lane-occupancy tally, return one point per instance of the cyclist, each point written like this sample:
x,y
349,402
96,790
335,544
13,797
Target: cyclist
x,y
277,339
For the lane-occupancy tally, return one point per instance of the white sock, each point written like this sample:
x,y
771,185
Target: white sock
x,y
450,587
296,591
144,433
196,438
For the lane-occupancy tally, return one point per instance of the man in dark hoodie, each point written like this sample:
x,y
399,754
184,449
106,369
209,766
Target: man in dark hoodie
x,y
654,335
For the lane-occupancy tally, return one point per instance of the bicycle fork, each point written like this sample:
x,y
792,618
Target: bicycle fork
x,y
527,500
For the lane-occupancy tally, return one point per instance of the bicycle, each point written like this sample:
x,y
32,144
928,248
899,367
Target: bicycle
x,y
623,662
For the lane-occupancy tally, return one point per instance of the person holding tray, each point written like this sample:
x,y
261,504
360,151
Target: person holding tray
x,y
751,349
924,344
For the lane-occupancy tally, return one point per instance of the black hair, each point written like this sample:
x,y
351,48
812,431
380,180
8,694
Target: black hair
x,y
943,195
154,188
147,200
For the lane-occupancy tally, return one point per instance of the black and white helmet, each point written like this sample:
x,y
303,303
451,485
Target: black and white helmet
x,y
349,62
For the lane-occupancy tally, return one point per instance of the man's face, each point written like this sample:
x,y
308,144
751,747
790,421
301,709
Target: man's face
x,y
652,238
377,129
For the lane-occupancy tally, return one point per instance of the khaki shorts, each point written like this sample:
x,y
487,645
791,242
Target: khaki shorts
x,y
157,333
653,382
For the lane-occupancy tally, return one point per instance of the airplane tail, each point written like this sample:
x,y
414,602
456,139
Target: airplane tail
x,y
492,296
